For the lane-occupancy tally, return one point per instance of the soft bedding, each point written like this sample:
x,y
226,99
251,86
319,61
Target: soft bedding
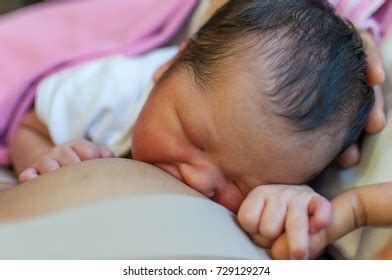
x,y
72,37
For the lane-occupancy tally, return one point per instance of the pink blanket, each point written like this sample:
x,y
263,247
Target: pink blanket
x,y
373,15
40,39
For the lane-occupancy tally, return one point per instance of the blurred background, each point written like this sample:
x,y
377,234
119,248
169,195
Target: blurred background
x,y
10,5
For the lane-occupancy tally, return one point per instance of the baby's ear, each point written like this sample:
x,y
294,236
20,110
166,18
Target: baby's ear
x,y
163,68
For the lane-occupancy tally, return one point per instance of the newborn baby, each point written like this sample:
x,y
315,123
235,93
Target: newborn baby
x,y
267,92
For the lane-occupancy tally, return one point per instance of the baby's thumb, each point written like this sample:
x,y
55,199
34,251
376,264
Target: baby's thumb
x,y
105,152
28,174
317,242
320,214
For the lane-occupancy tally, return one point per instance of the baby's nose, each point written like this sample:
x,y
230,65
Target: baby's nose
x,y
202,179
171,169
211,182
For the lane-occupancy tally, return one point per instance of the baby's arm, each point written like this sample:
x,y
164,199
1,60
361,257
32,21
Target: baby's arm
x,y
33,153
365,206
31,139
271,210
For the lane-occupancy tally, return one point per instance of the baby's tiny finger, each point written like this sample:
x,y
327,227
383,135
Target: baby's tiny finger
x,y
46,164
273,220
105,152
318,241
320,212
297,229
261,241
28,174
249,214
66,155
84,149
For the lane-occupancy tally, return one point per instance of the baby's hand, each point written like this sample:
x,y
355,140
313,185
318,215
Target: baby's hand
x,y
271,210
69,153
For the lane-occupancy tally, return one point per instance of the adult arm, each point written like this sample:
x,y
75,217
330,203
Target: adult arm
x,y
364,206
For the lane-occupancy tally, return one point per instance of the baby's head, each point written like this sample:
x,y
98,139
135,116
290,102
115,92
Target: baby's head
x,y
266,92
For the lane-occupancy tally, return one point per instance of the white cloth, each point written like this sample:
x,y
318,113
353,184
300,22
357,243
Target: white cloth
x,y
99,100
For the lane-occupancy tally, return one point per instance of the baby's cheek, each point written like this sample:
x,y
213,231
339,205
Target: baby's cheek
x,y
151,146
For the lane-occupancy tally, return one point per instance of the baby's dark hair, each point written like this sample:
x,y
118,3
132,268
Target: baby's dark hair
x,y
315,60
